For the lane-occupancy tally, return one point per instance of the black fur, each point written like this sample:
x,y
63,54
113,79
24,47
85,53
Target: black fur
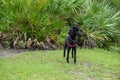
x,y
71,39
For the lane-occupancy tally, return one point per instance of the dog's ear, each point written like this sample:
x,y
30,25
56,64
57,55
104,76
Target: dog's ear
x,y
75,28
70,32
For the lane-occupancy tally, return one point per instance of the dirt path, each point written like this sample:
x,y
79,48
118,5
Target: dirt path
x,y
9,52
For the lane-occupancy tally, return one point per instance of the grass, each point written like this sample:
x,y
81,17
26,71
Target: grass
x,y
93,64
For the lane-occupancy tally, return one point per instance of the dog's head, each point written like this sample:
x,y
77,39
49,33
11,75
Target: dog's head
x,y
77,31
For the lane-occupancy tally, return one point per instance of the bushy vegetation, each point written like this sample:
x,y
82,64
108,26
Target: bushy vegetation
x,y
49,21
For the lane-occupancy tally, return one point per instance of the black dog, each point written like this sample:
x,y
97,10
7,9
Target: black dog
x,y
71,42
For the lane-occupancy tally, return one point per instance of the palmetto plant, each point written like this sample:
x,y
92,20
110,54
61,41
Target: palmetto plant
x,y
99,21
40,18
25,16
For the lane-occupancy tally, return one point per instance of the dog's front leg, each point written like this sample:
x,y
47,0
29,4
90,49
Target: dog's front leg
x,y
68,50
74,55
72,52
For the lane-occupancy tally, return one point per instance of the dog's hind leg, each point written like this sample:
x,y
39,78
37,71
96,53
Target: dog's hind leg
x,y
65,46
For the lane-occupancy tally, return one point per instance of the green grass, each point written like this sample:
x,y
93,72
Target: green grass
x,y
93,64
